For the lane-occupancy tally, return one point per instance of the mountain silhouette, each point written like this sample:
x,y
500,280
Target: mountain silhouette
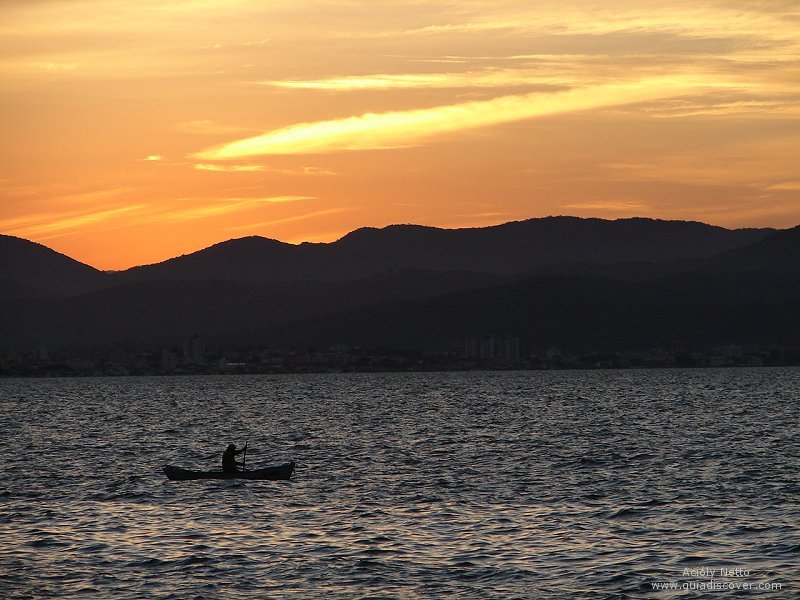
x,y
779,251
555,243
160,311
512,248
583,283
28,269
576,313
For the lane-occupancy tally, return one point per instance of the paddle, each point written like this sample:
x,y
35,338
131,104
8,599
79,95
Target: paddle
x,y
244,458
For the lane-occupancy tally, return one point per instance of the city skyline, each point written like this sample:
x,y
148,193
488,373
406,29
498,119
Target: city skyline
x,y
183,124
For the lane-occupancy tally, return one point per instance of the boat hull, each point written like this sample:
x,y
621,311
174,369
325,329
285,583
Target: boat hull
x,y
276,473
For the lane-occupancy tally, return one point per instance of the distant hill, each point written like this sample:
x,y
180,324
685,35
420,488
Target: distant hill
x,y
576,313
162,311
29,269
562,281
779,251
11,289
553,243
511,248
427,311
255,260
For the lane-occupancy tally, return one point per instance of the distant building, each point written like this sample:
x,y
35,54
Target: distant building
x,y
553,353
169,362
492,348
732,351
340,349
193,352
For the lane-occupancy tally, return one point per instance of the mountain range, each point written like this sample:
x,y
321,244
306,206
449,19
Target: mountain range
x,y
564,281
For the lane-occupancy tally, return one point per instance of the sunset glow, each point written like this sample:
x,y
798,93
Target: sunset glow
x,y
135,132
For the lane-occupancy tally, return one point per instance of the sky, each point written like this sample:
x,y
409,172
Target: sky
x,y
138,131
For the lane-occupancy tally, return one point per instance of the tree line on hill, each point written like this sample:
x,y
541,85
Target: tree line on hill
x,y
579,284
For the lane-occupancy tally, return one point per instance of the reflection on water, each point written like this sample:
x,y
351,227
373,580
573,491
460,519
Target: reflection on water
x,y
522,484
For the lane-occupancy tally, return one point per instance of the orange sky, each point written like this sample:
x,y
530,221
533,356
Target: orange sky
x,y
137,131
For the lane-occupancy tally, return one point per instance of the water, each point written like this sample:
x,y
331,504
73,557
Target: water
x,y
524,485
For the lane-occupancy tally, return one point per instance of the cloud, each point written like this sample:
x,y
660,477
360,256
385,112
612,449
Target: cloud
x,y
226,206
471,79
746,165
318,171
610,206
485,25
697,20
789,186
49,226
54,66
226,168
302,217
408,128
207,127
485,215
249,168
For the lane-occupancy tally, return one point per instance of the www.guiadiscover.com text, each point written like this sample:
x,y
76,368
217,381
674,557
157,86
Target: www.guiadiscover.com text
x,y
716,579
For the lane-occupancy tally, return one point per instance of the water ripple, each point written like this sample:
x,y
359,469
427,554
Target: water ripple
x,y
530,485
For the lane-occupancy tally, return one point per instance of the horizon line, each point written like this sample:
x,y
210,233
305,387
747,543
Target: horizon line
x,y
417,225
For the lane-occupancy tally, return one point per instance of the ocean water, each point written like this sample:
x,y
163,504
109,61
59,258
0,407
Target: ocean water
x,y
601,484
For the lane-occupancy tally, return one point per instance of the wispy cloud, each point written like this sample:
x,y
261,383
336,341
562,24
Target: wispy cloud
x,y
225,206
47,226
251,168
301,217
748,166
786,186
485,215
50,226
478,26
318,171
493,78
699,20
764,108
207,127
407,128
228,168
54,66
622,206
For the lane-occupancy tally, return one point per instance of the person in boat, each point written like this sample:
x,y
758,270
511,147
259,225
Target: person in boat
x,y
229,462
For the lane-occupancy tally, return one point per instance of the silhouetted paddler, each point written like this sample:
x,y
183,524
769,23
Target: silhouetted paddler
x,y
229,462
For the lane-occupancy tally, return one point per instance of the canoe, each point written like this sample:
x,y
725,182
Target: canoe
x,y
277,472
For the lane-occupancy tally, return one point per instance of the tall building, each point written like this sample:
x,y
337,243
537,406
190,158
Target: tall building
x,y
492,347
193,352
169,362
